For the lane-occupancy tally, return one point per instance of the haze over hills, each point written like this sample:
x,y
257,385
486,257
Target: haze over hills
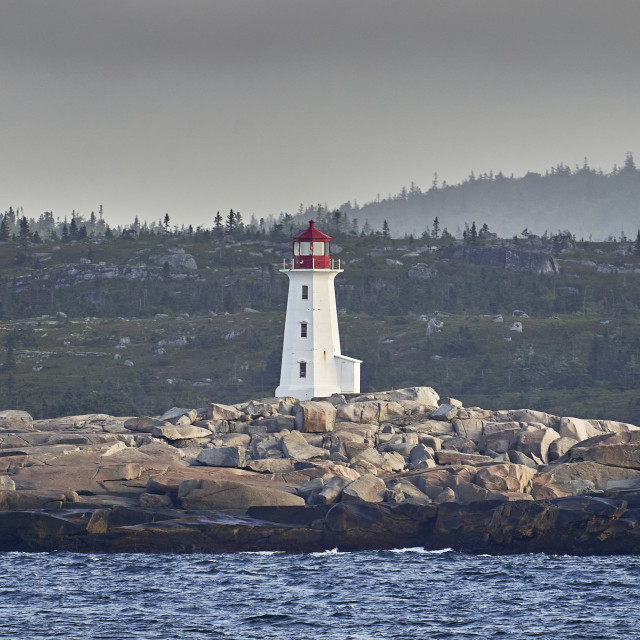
x,y
588,202
591,204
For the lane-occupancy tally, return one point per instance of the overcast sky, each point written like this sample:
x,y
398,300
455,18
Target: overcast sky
x,y
194,106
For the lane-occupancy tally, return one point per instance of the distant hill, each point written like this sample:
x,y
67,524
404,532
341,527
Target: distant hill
x,y
586,201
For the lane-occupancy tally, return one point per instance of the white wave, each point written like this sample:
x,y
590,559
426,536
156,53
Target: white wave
x,y
330,552
421,550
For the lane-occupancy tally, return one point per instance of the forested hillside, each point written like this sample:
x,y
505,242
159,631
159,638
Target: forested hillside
x,y
136,319
591,203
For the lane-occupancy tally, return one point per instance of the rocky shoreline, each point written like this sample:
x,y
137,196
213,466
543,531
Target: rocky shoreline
x,y
386,470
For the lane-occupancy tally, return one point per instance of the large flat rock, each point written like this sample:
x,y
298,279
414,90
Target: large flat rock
x,y
220,494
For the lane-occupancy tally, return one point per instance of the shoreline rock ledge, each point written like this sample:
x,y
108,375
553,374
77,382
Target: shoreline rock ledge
x,y
401,468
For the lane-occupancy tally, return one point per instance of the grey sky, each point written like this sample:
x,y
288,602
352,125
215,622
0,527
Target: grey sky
x,y
194,106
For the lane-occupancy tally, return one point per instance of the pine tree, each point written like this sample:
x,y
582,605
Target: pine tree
x,y
386,232
4,229
435,234
25,232
217,225
231,222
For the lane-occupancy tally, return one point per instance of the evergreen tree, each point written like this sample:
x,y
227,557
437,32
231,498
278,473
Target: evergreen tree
x,y
230,223
435,234
73,228
25,232
217,225
4,229
629,162
386,232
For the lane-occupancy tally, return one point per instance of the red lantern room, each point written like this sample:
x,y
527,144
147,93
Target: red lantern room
x,y
311,249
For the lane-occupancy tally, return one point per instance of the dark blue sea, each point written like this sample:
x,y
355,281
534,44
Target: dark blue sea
x,y
407,593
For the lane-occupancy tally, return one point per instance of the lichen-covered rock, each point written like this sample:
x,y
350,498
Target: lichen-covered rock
x,y
471,428
310,488
614,449
455,457
315,417
573,478
423,395
393,461
534,440
369,412
444,412
7,484
118,471
499,436
422,456
220,494
143,425
612,426
155,501
517,457
505,477
222,457
367,488
579,429
466,493
180,432
224,412
176,415
408,491
294,445
559,447
331,490
16,420
459,443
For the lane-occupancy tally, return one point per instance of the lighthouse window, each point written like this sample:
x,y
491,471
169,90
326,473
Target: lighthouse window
x,y
303,369
305,248
303,330
305,291
318,249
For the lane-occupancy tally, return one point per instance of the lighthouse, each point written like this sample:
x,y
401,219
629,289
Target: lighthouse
x,y
312,364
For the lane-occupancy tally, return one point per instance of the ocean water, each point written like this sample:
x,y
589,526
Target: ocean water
x,y
407,593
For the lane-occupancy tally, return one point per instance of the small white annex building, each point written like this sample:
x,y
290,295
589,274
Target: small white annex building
x,y
312,365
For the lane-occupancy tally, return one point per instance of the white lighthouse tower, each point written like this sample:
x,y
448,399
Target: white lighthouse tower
x,y
312,365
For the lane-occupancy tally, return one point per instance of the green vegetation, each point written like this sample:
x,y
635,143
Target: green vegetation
x,y
73,312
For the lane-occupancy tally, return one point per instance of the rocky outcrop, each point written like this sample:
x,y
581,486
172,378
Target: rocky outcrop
x,y
18,420
234,496
508,257
70,276
315,417
376,470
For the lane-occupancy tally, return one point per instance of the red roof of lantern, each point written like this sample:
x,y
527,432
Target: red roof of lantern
x,y
312,234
